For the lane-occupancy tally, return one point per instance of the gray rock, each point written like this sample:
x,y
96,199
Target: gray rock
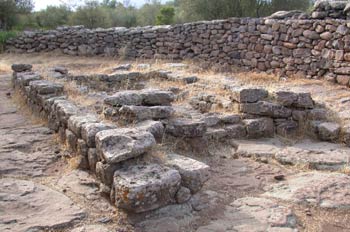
x,y
71,141
141,113
319,156
89,131
235,131
259,128
156,128
143,188
329,131
124,98
183,195
285,14
29,205
138,98
123,67
60,69
193,173
122,144
185,128
264,108
64,110
105,172
286,98
75,123
325,190
46,87
248,95
22,67
92,159
254,214
288,128
157,97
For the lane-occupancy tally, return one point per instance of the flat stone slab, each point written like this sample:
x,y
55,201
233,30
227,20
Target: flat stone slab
x,y
193,173
122,144
143,188
140,113
254,214
258,148
315,155
326,190
19,155
140,98
30,206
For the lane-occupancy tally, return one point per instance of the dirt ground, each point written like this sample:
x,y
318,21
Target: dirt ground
x,y
24,137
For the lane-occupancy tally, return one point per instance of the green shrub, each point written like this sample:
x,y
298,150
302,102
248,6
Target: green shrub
x,y
4,36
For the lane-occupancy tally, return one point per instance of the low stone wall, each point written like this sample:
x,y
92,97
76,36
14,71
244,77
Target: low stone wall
x,y
116,155
307,48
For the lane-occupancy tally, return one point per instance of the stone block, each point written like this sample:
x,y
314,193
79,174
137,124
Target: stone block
x,y
143,188
156,128
89,131
76,122
22,67
193,173
185,128
259,128
141,113
248,95
71,141
118,145
46,87
329,131
263,108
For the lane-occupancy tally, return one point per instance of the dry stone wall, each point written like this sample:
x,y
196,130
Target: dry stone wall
x,y
305,47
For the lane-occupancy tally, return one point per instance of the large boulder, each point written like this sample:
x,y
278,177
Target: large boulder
x,y
142,188
122,144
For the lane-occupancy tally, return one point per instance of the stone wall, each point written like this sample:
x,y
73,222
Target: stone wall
x,y
305,47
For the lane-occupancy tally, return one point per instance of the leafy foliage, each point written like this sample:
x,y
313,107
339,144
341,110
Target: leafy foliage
x,y
4,36
113,13
166,16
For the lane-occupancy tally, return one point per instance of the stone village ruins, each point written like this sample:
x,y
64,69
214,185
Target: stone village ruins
x,y
151,141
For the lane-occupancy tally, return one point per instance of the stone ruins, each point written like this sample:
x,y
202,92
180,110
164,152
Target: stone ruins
x,y
175,151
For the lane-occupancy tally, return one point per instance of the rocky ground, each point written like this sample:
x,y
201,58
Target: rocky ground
x,y
255,185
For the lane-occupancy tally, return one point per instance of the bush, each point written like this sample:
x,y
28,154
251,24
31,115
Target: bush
x,y
4,36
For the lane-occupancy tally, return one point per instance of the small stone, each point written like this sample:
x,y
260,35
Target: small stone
x,y
329,131
183,195
21,67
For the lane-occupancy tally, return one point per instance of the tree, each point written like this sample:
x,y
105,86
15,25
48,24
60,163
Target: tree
x,y
10,9
53,16
166,16
147,13
91,15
